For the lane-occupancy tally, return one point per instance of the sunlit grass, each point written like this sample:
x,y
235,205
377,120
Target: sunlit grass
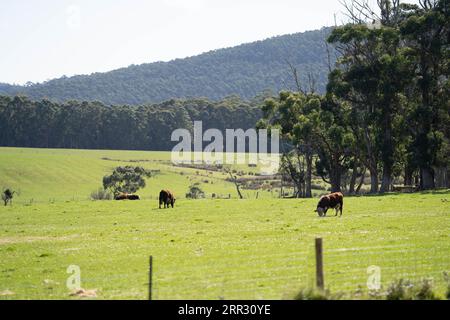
x,y
250,249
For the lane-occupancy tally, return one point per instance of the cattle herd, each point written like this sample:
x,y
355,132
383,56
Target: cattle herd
x,y
333,200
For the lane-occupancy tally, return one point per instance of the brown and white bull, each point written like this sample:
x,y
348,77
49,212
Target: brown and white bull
x,y
333,200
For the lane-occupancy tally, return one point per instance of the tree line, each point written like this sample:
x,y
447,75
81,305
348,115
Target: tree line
x,y
93,125
386,109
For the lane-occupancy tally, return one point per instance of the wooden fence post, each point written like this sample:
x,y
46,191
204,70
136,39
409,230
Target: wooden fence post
x,y
319,264
150,278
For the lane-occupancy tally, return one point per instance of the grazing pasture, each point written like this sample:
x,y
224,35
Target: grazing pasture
x,y
226,248
43,175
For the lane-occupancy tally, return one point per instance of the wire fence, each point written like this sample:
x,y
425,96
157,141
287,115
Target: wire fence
x,y
349,272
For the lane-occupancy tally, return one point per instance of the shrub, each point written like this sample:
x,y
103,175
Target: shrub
x,y
447,279
407,290
126,179
398,290
313,294
195,192
101,194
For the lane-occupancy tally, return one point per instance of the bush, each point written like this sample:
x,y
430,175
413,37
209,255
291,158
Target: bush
x,y
126,179
407,290
101,194
397,290
313,294
447,279
195,192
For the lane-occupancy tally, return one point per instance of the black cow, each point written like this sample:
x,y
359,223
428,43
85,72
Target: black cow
x,y
127,196
167,198
333,200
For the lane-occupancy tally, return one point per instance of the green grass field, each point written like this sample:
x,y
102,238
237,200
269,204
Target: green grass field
x,y
211,249
47,175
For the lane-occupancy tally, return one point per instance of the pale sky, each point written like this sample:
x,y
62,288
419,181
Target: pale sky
x,y
45,39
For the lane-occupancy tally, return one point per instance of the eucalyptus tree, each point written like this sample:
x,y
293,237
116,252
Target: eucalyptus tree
x,y
313,125
426,31
372,74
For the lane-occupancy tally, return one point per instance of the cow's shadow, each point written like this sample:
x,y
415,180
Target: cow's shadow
x,y
330,216
162,210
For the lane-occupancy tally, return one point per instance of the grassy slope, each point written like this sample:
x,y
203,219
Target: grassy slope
x,y
47,175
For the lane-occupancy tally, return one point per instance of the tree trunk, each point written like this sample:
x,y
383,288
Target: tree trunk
x,y
361,182
281,186
351,187
387,153
440,177
373,180
335,179
371,162
447,178
299,189
408,179
386,180
308,193
236,183
426,178
239,191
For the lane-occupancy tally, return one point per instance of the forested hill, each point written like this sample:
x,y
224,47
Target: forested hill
x,y
244,70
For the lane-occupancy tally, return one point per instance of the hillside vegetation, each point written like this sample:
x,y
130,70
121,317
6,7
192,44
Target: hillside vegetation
x,y
245,70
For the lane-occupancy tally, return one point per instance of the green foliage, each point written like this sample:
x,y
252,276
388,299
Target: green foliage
x,y
408,290
398,290
426,32
195,192
126,179
315,294
394,79
92,125
311,124
372,72
447,280
386,108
